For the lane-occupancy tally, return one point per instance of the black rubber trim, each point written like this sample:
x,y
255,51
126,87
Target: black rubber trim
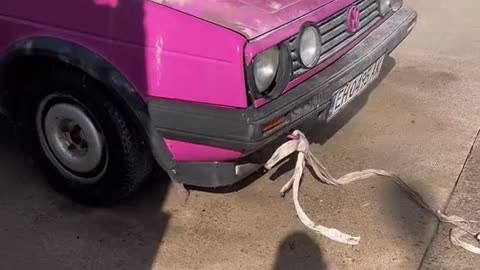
x,y
210,174
227,129
241,129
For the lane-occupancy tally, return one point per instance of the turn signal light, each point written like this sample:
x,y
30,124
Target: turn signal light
x,y
274,125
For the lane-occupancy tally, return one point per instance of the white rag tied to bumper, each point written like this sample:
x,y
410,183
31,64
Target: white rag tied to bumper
x,y
299,143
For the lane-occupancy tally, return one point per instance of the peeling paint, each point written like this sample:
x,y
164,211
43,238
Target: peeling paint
x,y
275,5
158,60
250,18
180,2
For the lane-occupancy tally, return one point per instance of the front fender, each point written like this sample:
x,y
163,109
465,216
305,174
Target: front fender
x,y
126,96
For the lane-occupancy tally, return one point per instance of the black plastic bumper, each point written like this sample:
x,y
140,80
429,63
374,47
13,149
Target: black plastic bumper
x,y
243,129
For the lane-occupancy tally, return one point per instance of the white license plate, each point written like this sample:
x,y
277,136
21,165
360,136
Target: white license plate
x,y
349,91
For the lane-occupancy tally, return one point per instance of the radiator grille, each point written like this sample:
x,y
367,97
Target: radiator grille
x,y
334,33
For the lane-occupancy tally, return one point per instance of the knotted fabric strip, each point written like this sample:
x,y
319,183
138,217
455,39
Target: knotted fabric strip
x,y
299,143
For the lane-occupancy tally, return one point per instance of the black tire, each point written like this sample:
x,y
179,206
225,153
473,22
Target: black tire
x,y
126,161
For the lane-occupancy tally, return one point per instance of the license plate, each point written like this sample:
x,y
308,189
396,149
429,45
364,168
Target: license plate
x,y
349,91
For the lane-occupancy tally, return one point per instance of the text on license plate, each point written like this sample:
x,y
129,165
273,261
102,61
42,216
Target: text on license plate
x,y
349,91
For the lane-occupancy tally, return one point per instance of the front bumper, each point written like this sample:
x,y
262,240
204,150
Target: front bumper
x,y
243,129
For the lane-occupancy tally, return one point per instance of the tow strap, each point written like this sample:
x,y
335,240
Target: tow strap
x,y
299,143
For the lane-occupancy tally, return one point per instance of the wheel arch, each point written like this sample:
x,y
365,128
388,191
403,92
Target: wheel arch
x,y
94,65
82,58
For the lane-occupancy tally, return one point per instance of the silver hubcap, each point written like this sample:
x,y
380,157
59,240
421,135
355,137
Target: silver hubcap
x,y
71,140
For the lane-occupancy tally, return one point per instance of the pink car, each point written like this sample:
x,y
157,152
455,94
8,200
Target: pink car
x,y
108,87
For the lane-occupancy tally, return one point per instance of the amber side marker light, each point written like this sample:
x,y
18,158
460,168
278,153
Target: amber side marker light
x,y
274,125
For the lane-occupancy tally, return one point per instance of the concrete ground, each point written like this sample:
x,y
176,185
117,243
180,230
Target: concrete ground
x,y
465,202
420,121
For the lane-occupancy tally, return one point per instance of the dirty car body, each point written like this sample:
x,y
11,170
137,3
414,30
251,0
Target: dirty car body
x,y
211,83
228,136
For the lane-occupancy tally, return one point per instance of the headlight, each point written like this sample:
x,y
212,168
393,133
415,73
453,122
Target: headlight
x,y
385,6
265,66
309,46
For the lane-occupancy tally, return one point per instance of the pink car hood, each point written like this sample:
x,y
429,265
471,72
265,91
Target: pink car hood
x,y
251,18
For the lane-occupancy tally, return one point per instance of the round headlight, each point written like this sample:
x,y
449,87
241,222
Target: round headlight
x,y
265,66
309,46
385,6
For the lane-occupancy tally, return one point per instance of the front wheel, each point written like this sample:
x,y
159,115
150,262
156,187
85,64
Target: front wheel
x,y
90,149
71,139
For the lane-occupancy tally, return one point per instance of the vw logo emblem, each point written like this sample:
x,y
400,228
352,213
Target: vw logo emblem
x,y
353,19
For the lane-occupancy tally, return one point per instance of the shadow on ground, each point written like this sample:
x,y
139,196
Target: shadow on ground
x,y
39,228
299,251
398,210
317,131
320,134
406,223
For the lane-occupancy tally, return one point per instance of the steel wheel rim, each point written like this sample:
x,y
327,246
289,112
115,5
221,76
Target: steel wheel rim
x,y
71,139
